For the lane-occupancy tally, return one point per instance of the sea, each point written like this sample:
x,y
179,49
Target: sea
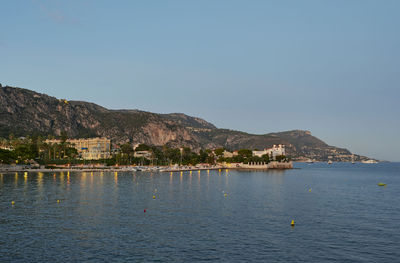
x,y
340,214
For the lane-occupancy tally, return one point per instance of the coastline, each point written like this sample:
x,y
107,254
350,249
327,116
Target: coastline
x,y
259,167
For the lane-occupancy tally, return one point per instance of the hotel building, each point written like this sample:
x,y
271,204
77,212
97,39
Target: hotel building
x,y
89,149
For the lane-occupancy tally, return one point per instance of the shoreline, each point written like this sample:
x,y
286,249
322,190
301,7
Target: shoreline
x,y
254,167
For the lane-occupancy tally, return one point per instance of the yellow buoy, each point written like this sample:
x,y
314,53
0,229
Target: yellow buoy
x,y
292,224
225,194
154,197
12,203
309,190
58,201
381,184
219,170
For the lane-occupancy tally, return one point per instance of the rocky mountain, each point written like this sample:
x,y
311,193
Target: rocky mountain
x,y
25,112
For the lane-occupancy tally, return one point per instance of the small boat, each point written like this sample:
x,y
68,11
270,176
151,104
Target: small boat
x,y
329,162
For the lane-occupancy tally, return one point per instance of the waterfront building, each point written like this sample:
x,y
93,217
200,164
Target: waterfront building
x,y
276,150
89,149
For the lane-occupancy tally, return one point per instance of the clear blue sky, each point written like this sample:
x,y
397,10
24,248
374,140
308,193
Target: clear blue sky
x,y
331,67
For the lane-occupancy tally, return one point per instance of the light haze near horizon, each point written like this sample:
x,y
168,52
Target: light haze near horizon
x,y
330,67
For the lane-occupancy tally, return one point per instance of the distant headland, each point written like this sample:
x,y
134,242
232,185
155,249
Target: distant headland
x,y
28,114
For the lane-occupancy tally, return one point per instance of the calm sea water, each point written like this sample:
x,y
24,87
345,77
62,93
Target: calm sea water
x,y
223,217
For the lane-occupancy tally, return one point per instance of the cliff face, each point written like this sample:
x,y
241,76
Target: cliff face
x,y
24,112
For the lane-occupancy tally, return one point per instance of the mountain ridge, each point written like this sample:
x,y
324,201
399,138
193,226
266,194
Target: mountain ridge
x,y
24,112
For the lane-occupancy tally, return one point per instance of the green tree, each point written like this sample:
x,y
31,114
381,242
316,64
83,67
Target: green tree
x,y
245,153
127,149
64,138
173,155
219,151
280,158
6,156
265,158
71,152
24,152
203,155
143,147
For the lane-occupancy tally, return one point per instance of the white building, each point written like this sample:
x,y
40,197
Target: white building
x,y
276,150
227,154
144,154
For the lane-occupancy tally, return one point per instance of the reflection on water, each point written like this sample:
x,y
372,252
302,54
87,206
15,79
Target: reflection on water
x,y
202,215
39,181
16,179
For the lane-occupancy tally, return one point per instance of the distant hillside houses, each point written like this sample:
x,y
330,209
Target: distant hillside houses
x,y
276,150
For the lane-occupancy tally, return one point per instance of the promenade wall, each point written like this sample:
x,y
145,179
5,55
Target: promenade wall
x,y
271,165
